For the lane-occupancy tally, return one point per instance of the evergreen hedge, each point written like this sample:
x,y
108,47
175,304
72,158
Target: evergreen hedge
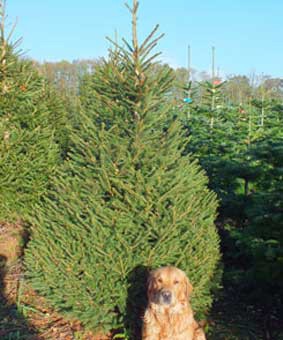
x,y
126,200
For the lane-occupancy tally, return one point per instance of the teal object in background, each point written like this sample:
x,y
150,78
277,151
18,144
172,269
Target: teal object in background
x,y
187,100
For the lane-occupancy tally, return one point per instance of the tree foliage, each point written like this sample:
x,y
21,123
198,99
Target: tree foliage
x,y
241,153
30,140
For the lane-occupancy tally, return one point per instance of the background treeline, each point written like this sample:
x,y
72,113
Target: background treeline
x,y
66,75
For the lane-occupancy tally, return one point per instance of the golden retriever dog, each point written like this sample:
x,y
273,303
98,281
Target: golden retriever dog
x,y
169,315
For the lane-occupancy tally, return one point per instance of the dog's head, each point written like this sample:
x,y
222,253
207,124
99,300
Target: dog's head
x,y
168,286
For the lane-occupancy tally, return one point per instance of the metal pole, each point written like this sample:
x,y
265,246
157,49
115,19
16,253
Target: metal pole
x,y
189,78
213,63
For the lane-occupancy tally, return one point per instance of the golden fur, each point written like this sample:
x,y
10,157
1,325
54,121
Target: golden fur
x,y
169,315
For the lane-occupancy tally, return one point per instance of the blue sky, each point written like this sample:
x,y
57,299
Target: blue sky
x,y
248,34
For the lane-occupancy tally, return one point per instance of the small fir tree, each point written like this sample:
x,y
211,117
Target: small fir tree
x,y
125,201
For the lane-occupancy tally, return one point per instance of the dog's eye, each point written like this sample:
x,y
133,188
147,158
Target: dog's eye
x,y
159,280
176,282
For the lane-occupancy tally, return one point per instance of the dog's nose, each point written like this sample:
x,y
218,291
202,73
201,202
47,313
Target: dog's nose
x,y
167,296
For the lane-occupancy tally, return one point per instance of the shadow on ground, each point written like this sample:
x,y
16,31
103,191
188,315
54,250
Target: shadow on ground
x,y
13,325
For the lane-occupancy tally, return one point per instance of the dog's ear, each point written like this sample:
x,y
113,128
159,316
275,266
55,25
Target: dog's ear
x,y
188,287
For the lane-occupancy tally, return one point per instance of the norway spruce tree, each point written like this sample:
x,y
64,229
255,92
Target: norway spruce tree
x,y
126,200
29,141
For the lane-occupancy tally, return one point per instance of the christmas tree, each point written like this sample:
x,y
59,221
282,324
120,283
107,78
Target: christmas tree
x,y
126,200
29,141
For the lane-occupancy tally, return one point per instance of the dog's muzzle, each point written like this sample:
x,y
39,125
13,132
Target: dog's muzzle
x,y
165,297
